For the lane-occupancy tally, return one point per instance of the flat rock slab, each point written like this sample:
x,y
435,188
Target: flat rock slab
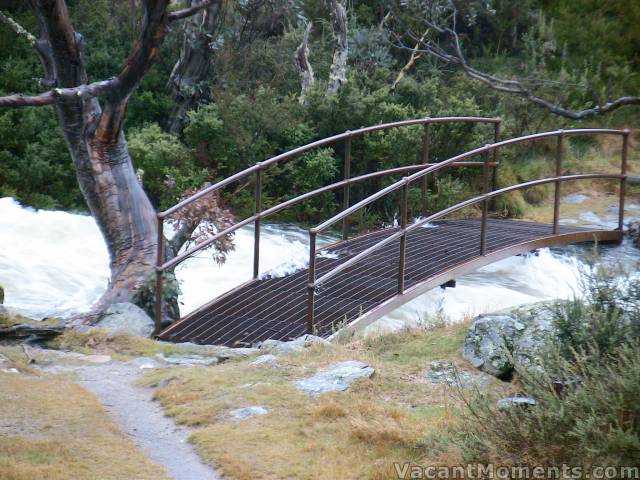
x,y
338,377
248,412
188,360
446,373
267,360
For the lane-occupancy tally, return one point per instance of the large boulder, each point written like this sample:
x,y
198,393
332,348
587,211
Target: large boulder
x,y
335,378
496,343
633,232
126,318
489,341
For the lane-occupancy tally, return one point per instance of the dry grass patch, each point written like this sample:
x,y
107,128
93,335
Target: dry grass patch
x,y
357,434
51,429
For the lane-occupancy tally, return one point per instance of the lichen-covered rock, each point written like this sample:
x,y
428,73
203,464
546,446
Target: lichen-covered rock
x,y
335,378
516,402
446,373
248,412
267,360
126,318
277,347
531,344
490,340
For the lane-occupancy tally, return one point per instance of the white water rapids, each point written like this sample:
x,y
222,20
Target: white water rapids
x,y
55,263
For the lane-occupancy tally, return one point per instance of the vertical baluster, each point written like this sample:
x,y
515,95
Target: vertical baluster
x,y
425,179
496,160
623,181
404,206
485,203
346,189
311,286
159,274
556,197
256,229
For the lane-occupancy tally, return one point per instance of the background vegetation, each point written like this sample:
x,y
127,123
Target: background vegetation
x,y
254,113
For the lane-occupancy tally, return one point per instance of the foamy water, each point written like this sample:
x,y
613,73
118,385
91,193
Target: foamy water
x,y
55,263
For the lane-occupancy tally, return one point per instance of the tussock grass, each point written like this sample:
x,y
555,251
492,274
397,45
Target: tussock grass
x,y
357,434
51,429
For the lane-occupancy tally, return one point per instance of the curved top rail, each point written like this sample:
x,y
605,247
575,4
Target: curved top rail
x,y
317,144
293,201
486,148
459,206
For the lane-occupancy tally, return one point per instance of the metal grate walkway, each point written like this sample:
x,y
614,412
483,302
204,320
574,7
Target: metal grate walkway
x,y
276,307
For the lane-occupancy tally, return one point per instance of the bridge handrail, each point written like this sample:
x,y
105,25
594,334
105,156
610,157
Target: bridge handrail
x,y
162,265
445,163
405,183
460,206
321,143
300,198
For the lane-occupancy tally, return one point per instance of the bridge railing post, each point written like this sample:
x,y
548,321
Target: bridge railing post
x,y
311,285
425,179
556,197
485,204
256,229
496,161
623,181
404,206
346,190
159,275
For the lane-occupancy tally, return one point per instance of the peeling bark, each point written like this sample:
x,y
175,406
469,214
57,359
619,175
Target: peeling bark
x,y
303,65
94,136
338,71
191,77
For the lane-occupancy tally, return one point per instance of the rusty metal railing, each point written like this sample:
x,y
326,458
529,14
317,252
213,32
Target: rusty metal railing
x,y
162,264
486,197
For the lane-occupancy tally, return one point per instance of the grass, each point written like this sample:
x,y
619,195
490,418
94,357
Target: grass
x,y
52,429
357,434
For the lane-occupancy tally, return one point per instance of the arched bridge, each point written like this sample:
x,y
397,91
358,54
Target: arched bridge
x,y
355,281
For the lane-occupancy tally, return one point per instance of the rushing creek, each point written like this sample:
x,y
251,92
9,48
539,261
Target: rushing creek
x,y
55,263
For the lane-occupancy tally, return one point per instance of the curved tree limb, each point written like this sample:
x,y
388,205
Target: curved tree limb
x,y
187,12
303,66
17,28
338,72
520,87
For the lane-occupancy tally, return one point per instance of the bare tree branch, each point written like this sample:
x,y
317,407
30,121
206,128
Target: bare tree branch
x,y
187,12
301,59
49,98
415,55
17,28
518,87
338,72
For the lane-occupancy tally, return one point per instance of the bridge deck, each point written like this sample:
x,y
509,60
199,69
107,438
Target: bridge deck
x,y
276,307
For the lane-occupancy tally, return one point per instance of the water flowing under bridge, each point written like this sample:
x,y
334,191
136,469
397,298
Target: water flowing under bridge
x,y
353,282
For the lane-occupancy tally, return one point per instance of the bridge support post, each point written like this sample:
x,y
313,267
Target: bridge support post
x,y
256,229
159,276
496,161
485,204
403,239
346,190
623,181
556,197
311,286
425,180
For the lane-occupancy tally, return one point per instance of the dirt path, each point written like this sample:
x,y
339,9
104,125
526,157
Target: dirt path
x,y
143,420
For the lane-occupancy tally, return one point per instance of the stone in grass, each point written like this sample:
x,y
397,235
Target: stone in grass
x,y
126,318
277,347
248,412
445,372
144,363
267,360
335,378
517,402
188,360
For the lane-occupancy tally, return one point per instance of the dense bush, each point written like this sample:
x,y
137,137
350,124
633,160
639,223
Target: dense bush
x,y
587,389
